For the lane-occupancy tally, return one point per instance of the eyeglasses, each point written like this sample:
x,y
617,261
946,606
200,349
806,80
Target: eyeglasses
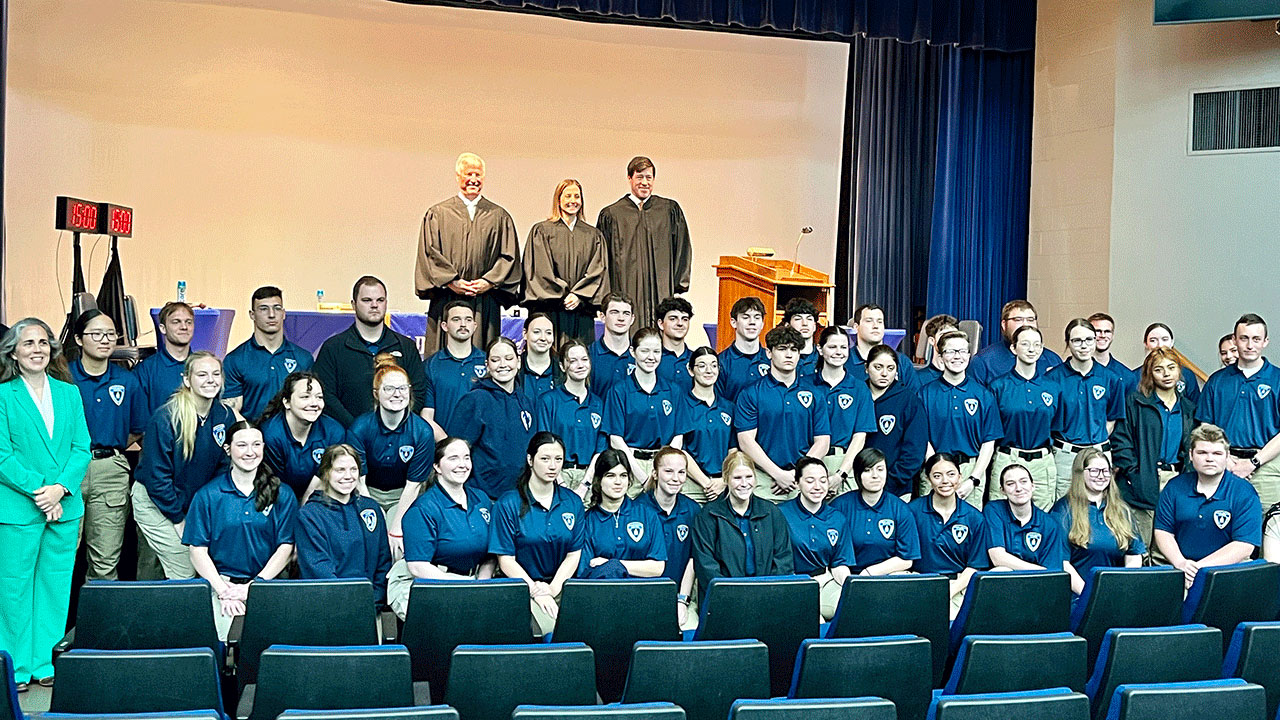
x,y
1030,346
1082,342
1098,472
102,335
395,389
955,352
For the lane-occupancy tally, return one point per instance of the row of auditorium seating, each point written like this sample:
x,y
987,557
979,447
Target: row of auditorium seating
x,y
780,612
1146,674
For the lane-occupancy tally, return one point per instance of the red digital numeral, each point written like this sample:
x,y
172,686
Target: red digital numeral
x,y
84,216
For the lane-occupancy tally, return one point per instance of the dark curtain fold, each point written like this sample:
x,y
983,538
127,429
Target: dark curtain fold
x,y
886,194
995,24
982,185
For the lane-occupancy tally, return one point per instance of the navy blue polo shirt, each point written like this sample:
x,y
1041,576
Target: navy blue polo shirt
x,y
820,540
674,369
644,420
928,374
1203,525
1103,550
1171,439
901,434
536,383
114,405
391,458
1128,377
881,531
786,418
676,526
949,546
849,406
1042,541
960,418
439,531
579,423
1027,408
158,375
808,364
995,360
343,540
241,538
633,532
170,477
1189,385
448,379
607,367
739,369
1247,409
708,430
744,526
907,373
255,374
1087,402
499,426
541,538
295,463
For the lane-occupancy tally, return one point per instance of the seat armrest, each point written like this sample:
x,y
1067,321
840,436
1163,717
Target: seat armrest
x,y
65,643
389,624
421,693
245,707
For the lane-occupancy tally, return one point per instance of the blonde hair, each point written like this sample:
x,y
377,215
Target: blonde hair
x,y
466,160
183,417
555,200
734,460
1116,514
1209,433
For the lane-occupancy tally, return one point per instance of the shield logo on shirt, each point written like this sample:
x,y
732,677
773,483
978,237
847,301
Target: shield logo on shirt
x,y
1047,398
971,405
290,364
631,368
635,531
1033,541
484,513
595,420
805,397
1182,386
526,418
762,369
726,418
317,454
886,424
1098,392
219,433
568,519
959,533
885,527
267,512
1221,518
844,400
682,532
406,453
370,519
833,536
1263,392
480,370
666,407
116,393
396,353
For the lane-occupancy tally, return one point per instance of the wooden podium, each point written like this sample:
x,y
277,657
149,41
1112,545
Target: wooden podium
x,y
775,282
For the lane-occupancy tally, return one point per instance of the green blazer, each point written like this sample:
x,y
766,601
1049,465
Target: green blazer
x,y
30,460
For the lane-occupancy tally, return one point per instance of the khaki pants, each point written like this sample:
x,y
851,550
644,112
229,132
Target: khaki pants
x,y
1043,471
637,484
162,536
956,601
833,463
572,478
1266,480
694,492
966,469
1144,523
221,622
399,583
542,622
764,489
828,595
106,505
386,500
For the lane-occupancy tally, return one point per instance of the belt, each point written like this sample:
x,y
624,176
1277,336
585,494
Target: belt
x,y
101,453
1024,454
575,466
239,581
1104,446
644,454
1243,453
1169,467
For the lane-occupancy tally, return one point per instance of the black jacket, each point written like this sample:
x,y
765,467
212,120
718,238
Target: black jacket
x,y
345,368
1135,446
719,550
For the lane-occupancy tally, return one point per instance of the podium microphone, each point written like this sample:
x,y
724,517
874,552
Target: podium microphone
x,y
795,252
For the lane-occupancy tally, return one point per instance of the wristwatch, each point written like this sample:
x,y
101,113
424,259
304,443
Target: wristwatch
x,y
977,482
682,599
1255,462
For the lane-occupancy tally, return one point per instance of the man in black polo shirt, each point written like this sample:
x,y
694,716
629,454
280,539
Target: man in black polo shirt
x,y
345,361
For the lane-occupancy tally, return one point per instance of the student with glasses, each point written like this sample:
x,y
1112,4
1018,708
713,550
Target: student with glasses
x,y
1092,400
962,419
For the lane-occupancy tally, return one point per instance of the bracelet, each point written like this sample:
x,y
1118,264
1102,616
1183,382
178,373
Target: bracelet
x,y
395,535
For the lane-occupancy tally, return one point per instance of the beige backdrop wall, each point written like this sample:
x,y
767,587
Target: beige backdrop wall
x,y
298,142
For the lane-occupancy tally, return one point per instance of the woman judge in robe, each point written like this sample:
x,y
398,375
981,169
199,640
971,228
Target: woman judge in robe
x,y
565,267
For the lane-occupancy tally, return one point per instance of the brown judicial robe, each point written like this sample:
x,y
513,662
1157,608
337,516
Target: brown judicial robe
x,y
559,261
649,252
452,246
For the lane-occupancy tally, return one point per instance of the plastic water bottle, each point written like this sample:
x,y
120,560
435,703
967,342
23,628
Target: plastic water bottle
x,y
319,298
182,291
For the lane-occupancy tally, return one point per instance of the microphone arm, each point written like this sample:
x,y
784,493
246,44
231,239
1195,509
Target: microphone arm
x,y
795,252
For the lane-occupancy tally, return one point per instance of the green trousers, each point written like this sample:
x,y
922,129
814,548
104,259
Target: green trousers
x,y
35,589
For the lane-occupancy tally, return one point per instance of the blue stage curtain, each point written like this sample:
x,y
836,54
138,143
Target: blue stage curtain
x,y
886,210
982,185
995,24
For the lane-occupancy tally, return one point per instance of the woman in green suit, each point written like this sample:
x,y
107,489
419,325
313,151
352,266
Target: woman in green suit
x,y
44,453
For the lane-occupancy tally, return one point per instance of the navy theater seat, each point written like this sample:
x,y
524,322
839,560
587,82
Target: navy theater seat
x,y
1254,655
860,708
703,677
1225,596
884,667
1016,663
1108,602
1053,704
488,682
917,605
137,681
640,711
1231,698
329,678
1182,653
1022,602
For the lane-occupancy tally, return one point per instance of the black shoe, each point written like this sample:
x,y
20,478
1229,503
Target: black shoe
x,y
22,687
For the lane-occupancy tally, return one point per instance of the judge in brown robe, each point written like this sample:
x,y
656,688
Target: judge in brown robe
x,y
565,267
648,244
468,249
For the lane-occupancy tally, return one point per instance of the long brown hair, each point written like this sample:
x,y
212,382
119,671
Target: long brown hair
x,y
1116,514
1147,383
555,200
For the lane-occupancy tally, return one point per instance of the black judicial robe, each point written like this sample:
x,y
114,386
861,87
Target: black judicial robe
x,y
452,246
559,261
649,252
